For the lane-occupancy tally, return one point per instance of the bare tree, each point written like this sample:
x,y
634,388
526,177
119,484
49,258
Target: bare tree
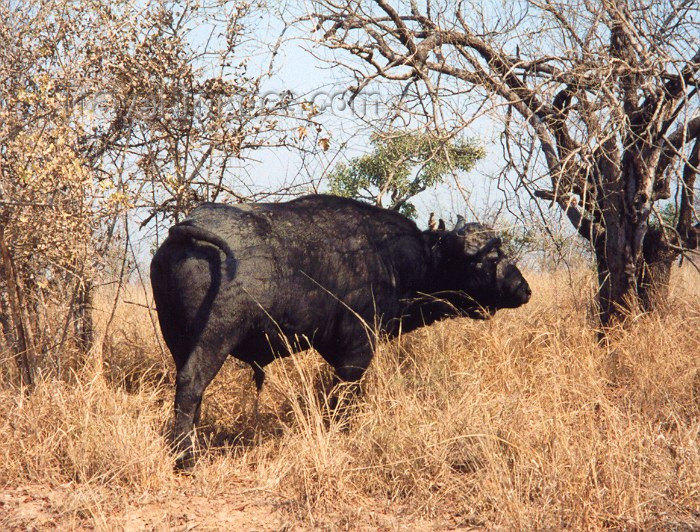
x,y
598,101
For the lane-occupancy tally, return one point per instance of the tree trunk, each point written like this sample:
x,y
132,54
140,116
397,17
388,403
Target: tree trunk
x,y
83,316
654,275
627,286
22,335
616,293
8,337
633,259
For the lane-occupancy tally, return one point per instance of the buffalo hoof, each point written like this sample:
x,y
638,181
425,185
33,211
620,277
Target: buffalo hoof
x,y
184,462
183,450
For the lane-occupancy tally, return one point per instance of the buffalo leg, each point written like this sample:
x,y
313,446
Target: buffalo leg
x,y
259,377
192,379
197,413
350,366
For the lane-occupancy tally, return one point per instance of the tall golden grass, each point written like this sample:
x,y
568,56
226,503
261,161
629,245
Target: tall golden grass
x,y
526,421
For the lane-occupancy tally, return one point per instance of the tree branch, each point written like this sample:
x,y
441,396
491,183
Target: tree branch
x,y
688,234
585,227
673,144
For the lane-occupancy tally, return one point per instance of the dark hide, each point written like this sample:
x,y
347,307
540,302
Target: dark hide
x,y
319,270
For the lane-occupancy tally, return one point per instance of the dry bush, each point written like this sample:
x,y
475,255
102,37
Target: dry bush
x,y
132,350
521,422
84,432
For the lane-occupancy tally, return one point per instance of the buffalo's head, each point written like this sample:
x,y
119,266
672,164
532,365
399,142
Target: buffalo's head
x,y
473,273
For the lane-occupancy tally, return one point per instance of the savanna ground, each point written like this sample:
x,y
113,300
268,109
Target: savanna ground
x,y
522,422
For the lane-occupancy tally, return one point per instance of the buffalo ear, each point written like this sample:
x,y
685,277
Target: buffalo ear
x,y
441,225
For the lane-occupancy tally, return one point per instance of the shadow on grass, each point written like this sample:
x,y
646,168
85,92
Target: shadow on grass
x,y
285,409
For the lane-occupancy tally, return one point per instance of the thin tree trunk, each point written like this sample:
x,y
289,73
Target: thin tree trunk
x,y
5,320
23,339
83,316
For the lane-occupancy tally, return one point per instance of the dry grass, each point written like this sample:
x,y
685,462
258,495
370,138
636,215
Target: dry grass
x,y
522,422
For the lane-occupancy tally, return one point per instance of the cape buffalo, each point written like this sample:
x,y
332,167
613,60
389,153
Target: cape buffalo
x,y
238,280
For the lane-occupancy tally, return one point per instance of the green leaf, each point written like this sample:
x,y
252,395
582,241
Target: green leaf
x,y
400,166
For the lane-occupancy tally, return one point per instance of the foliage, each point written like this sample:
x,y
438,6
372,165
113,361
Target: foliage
x,y
55,215
400,166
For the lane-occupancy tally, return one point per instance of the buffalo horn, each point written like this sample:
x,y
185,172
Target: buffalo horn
x,y
461,224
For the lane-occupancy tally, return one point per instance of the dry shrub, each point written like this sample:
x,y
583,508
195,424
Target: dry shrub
x,y
525,421
84,432
131,346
